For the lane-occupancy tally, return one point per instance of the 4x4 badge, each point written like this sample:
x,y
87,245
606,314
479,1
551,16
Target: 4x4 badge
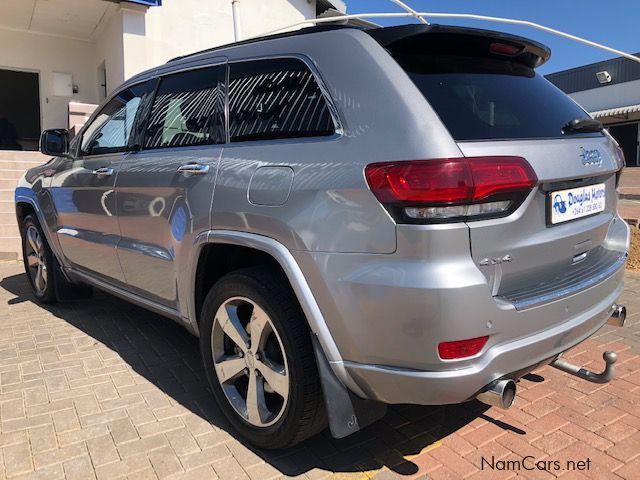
x,y
495,261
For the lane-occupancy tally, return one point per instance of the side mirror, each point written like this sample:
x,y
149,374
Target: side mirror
x,y
55,142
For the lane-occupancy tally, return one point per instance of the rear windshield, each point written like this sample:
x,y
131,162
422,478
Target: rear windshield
x,y
482,99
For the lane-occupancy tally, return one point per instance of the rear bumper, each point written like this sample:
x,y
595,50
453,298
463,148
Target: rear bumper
x,y
511,359
388,313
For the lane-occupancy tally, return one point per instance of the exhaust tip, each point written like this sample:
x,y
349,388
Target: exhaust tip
x,y
501,394
618,316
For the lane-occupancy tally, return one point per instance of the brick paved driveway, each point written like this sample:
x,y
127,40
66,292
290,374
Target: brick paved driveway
x,y
102,388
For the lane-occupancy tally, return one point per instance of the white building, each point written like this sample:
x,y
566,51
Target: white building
x,y
610,91
54,53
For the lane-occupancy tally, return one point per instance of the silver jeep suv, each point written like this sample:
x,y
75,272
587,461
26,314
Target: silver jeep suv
x,y
346,218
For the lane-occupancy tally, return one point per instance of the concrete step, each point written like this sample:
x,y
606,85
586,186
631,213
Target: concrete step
x,y
7,194
7,206
8,183
16,165
8,218
10,248
9,230
22,156
11,174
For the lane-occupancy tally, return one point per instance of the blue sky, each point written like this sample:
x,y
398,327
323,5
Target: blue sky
x,y
615,23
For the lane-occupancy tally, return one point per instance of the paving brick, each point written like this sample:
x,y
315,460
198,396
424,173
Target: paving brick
x,y
165,462
122,431
554,442
79,469
205,457
42,438
102,450
453,461
484,434
607,414
616,431
541,407
229,468
142,446
35,396
105,388
17,459
128,466
627,449
59,455
12,409
585,436
182,441
65,420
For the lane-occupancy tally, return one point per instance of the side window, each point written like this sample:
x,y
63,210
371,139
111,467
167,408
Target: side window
x,y
276,98
112,128
188,109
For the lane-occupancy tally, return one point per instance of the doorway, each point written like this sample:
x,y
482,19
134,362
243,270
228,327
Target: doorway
x,y
19,110
627,137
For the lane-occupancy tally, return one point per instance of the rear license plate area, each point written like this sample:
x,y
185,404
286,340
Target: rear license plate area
x,y
575,203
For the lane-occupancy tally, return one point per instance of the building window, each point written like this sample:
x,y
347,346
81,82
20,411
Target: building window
x,y
188,109
110,131
276,98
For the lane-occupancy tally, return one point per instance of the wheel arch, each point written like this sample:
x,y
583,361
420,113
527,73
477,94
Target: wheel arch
x,y
270,250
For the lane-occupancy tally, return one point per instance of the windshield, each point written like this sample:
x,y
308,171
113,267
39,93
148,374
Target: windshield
x,y
482,99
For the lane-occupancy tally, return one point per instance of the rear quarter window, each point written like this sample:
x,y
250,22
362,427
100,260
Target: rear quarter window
x,y
276,98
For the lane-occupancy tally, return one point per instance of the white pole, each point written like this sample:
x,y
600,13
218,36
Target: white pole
x,y
235,8
407,8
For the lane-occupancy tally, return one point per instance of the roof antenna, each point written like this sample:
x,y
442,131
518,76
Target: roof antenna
x,y
407,8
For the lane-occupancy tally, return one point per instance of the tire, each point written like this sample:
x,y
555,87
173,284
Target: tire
x,y
39,262
260,301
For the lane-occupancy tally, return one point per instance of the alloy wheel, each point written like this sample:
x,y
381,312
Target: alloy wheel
x,y
250,361
36,260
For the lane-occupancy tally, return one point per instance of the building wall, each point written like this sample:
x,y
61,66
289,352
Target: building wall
x,y
108,47
612,96
47,54
181,27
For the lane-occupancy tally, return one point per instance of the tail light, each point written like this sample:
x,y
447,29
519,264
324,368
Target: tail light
x,y
451,189
461,348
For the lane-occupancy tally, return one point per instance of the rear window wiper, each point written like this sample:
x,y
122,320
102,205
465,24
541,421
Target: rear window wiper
x,y
582,125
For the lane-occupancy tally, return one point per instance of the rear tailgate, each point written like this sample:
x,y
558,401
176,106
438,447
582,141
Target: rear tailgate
x,y
525,251
484,88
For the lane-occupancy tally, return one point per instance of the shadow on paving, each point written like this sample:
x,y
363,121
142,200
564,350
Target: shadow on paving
x,y
168,356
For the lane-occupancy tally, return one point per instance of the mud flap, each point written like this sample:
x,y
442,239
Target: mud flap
x,y
347,413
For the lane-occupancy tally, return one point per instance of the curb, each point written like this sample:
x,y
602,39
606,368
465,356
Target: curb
x,y
629,196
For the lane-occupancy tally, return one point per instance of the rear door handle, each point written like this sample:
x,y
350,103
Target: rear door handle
x,y
193,169
103,172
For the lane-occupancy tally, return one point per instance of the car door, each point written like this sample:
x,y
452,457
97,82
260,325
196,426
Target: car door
x,y
83,190
165,190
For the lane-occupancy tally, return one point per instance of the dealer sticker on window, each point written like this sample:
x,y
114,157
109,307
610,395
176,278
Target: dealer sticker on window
x,y
577,202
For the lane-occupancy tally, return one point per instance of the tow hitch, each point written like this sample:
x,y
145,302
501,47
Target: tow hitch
x,y
618,317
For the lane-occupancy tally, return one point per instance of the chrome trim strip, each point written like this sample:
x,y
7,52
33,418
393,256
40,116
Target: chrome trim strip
x,y
527,303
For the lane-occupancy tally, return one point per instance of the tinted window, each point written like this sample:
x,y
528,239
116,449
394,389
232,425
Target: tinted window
x,y
490,99
111,130
188,109
276,98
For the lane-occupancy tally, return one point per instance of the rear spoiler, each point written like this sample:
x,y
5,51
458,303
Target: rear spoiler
x,y
460,41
